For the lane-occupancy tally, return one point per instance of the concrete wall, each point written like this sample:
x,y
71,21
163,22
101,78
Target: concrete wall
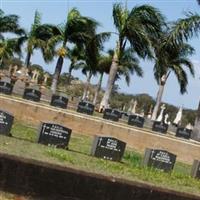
x,y
52,182
139,139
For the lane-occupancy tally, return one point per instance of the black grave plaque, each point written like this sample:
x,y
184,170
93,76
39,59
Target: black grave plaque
x,y
59,101
108,148
160,127
6,121
85,107
111,114
183,133
5,87
136,120
195,172
32,94
54,135
159,159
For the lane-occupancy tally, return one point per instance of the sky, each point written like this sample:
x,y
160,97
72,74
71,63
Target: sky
x,y
55,12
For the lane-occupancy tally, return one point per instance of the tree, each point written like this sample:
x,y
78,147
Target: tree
x,y
8,48
77,30
133,28
170,58
127,66
9,24
43,37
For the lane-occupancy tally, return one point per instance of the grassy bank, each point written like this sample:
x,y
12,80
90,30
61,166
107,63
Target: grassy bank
x,y
78,156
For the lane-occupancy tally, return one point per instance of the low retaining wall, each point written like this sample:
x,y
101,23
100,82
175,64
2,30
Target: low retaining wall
x,y
138,139
46,182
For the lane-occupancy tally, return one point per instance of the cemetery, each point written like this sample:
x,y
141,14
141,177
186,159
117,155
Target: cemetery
x,y
62,137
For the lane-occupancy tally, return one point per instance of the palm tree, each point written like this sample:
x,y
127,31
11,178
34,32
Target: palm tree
x,y
9,24
133,28
170,58
41,36
76,30
91,49
8,48
127,66
75,55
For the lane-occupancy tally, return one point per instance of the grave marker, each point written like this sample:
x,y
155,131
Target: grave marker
x,y
183,133
111,114
159,159
85,107
32,94
108,148
54,135
136,120
5,87
160,127
6,122
195,172
59,101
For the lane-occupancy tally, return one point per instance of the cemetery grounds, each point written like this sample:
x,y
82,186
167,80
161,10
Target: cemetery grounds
x,y
24,143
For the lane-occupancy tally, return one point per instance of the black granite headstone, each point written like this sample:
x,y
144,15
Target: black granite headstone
x,y
54,135
136,120
59,101
108,148
5,87
85,107
32,94
6,122
160,127
159,159
111,114
183,133
195,172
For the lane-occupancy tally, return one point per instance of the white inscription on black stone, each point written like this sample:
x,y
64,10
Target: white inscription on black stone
x,y
85,107
108,148
6,122
32,94
159,159
111,114
183,133
54,135
5,87
160,127
135,120
59,101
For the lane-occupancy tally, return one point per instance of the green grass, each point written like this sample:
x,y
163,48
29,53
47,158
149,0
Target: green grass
x,y
78,156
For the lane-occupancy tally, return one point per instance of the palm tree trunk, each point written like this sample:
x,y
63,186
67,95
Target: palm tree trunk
x,y
87,85
28,58
111,81
98,89
159,96
56,75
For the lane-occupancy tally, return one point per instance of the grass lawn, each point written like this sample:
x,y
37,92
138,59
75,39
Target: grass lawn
x,y
78,156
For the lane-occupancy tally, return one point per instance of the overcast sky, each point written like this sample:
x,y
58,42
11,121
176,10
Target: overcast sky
x,y
55,11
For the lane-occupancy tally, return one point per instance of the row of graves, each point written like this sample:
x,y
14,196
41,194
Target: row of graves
x,y
160,125
109,148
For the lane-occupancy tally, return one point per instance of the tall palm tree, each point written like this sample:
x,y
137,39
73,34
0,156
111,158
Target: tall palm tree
x,y
8,48
91,49
133,28
170,58
9,23
41,36
128,65
77,30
